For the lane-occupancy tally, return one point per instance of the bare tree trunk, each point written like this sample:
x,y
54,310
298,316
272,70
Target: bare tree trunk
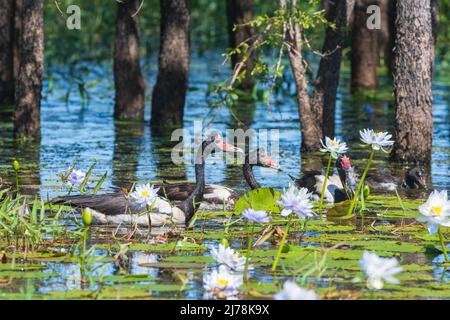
x,y
240,12
169,92
387,33
31,70
365,55
327,80
435,18
414,53
128,80
6,51
309,121
17,32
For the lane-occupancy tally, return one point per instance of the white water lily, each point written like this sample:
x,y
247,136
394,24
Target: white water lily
x,y
377,140
379,269
436,211
335,147
297,201
76,177
145,194
229,258
291,291
223,281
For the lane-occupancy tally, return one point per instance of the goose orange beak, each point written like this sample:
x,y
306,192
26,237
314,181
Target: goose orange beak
x,y
268,162
227,147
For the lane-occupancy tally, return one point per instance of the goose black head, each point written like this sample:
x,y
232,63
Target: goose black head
x,y
415,178
216,142
261,158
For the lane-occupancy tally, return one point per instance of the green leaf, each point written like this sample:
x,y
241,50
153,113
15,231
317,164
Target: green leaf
x,y
259,199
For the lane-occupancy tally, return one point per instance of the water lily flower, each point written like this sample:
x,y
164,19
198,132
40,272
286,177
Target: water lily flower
x,y
379,269
145,194
223,281
259,216
291,291
228,258
335,147
297,201
377,140
76,177
436,211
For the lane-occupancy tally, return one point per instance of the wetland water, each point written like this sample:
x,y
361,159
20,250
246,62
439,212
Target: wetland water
x,y
129,152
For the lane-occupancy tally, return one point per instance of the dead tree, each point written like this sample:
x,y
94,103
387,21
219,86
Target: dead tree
x,y
31,70
169,92
128,80
413,67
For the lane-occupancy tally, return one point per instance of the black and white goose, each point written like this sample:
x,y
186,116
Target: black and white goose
x,y
414,179
216,197
339,187
118,208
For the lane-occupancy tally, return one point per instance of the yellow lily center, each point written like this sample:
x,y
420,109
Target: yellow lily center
x,y
144,193
437,210
222,282
334,143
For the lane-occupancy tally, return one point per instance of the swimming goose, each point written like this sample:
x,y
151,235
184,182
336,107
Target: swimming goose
x,y
118,208
335,191
216,197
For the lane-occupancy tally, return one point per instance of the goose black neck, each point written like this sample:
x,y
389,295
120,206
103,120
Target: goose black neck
x,y
249,176
191,204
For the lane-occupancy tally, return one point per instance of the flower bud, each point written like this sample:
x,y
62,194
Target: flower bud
x,y
366,191
86,216
16,165
224,242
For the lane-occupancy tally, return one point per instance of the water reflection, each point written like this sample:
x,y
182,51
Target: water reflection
x,y
133,152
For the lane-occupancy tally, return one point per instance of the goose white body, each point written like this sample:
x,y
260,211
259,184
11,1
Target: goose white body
x,y
333,183
163,213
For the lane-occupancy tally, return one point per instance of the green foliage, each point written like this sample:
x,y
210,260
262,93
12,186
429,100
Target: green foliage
x,y
270,30
259,199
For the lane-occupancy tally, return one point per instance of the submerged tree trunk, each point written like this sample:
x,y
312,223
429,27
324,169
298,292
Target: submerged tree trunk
x,y
387,33
435,18
128,80
17,32
414,53
365,54
309,118
29,81
6,51
317,113
240,12
327,80
171,85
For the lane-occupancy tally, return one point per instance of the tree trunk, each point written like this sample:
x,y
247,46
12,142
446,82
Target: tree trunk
x,y
435,19
387,33
414,52
327,80
171,85
128,80
29,81
17,32
240,12
6,51
365,55
309,120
